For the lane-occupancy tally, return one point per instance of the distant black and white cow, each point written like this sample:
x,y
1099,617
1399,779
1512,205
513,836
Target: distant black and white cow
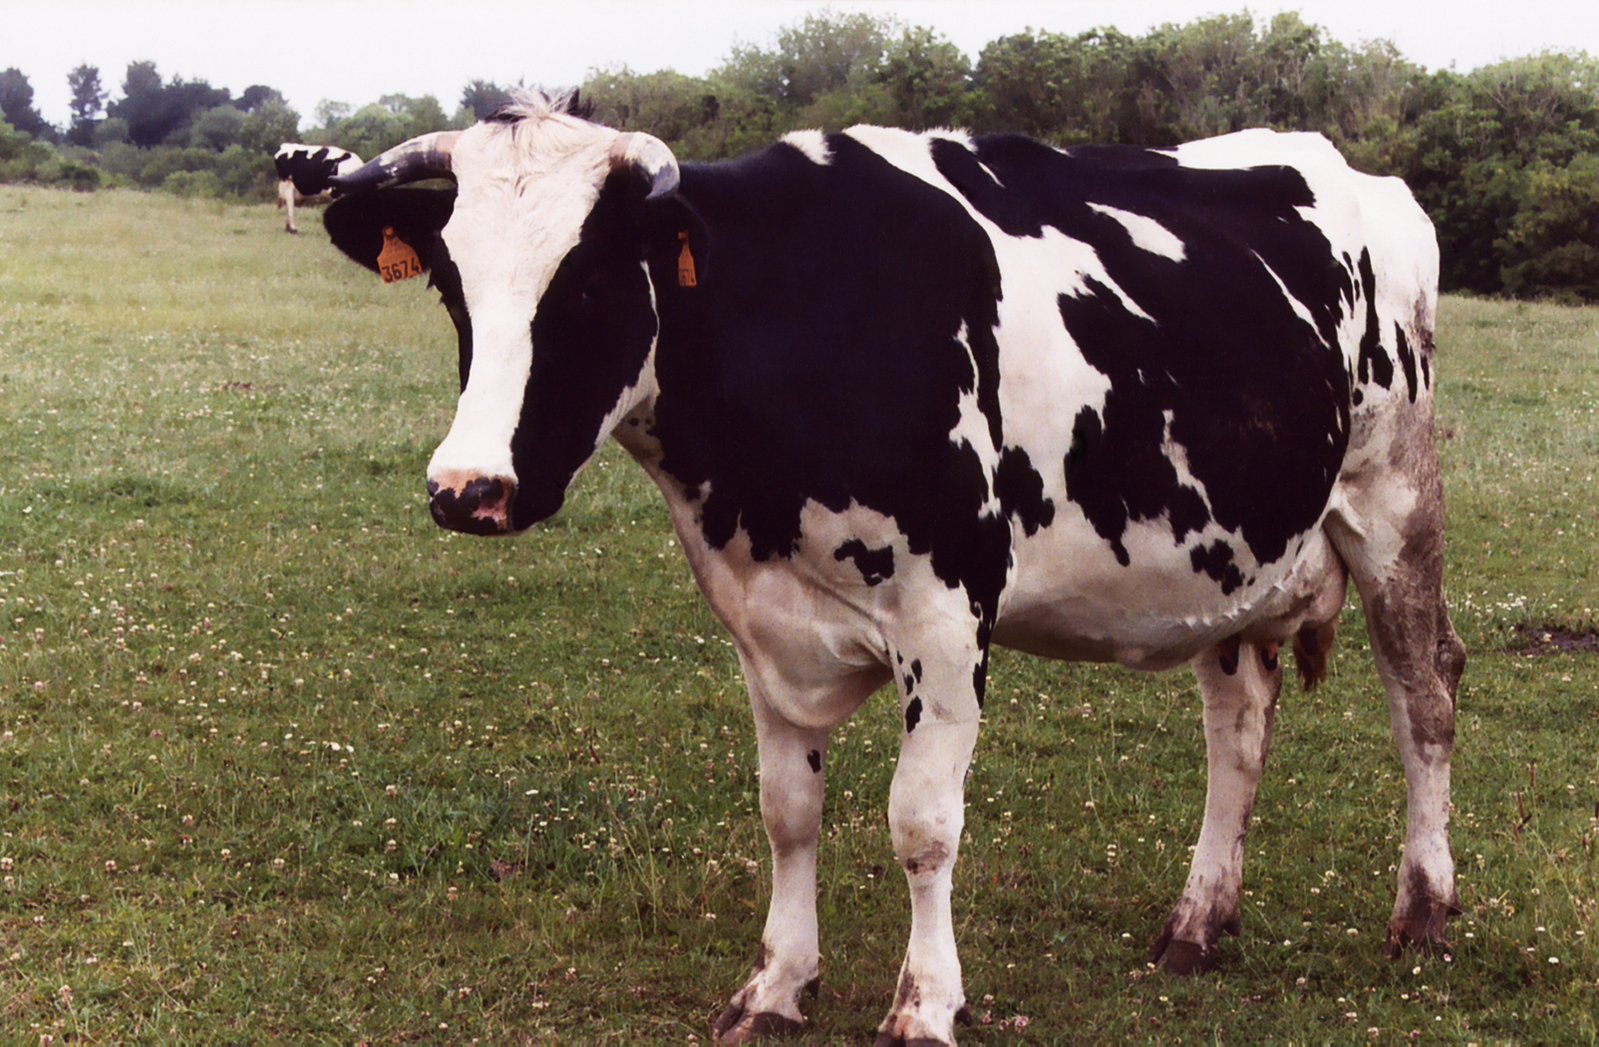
x,y
303,173
911,395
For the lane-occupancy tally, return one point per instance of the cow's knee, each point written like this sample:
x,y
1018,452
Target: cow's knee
x,y
926,805
925,830
792,816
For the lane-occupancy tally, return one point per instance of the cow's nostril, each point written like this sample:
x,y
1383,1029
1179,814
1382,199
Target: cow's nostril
x,y
482,494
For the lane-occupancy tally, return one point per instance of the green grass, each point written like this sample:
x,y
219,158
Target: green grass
x,y
281,761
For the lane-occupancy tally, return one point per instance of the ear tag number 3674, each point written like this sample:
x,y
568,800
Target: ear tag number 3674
x,y
398,260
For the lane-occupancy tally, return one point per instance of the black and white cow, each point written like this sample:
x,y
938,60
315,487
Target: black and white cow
x,y
911,395
303,174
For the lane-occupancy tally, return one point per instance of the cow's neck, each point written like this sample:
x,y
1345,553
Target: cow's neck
x,y
688,344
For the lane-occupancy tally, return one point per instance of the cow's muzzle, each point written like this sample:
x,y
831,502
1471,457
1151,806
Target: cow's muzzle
x,y
472,505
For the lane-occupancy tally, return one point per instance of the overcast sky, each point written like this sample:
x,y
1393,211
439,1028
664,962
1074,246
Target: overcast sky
x,y
356,50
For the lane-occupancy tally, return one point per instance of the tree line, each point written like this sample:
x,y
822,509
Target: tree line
x,y
1505,158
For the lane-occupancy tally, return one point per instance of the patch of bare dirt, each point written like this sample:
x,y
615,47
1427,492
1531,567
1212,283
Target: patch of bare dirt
x,y
1539,640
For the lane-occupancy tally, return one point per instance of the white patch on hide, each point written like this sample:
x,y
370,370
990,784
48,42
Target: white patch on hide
x,y
1148,234
813,144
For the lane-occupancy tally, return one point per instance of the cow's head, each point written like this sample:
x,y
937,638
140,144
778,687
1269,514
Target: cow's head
x,y
542,254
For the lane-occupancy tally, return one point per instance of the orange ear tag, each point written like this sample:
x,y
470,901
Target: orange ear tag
x,y
685,265
397,260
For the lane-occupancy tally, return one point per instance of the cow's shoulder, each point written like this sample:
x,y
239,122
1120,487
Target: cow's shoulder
x,y
838,351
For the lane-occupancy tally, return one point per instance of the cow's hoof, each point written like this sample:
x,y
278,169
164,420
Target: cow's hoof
x,y
1182,957
736,1025
888,1039
1422,929
1186,958
903,1031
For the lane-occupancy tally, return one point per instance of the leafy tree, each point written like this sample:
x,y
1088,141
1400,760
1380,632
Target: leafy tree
x,y
828,71
368,131
823,54
745,120
113,130
123,160
1066,89
480,98
928,80
141,78
385,123
245,172
268,127
330,113
16,104
155,166
1286,73
88,103
682,110
202,184
217,128
186,100
1193,80
1374,98
1491,148
24,158
12,141
158,112
143,105
421,115
258,96
1551,246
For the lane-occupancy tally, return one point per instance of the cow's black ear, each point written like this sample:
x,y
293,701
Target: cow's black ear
x,y
355,223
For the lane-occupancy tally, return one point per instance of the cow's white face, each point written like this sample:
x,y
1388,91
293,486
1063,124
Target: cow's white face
x,y
519,211
543,267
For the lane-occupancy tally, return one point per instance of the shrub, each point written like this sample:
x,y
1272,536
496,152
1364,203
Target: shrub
x,y
193,184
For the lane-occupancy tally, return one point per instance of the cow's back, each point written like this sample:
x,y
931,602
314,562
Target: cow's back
x,y
309,167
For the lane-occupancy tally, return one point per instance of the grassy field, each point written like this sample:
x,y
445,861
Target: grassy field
x,y
281,761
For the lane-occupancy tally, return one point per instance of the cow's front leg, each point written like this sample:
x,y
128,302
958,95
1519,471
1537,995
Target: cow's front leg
x,y
1240,683
939,701
789,962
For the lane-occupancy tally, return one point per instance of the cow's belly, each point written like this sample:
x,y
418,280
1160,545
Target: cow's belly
x,y
1069,597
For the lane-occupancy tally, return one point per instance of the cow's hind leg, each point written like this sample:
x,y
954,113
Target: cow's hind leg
x,y
1395,552
1423,721
1419,659
1240,683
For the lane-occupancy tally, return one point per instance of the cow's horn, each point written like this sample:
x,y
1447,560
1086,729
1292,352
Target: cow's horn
x,y
427,156
650,155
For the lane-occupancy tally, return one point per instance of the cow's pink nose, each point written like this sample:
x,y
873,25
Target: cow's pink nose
x,y
473,505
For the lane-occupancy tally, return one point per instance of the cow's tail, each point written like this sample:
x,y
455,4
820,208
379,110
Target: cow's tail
x,y
1313,645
